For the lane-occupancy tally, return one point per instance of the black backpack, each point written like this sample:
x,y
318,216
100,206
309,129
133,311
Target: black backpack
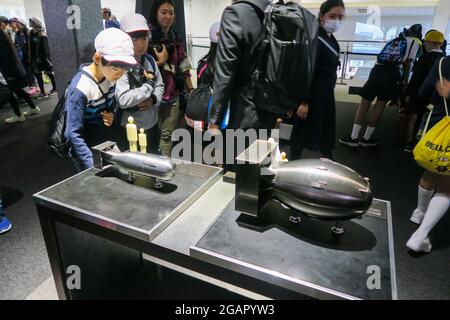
x,y
285,66
57,142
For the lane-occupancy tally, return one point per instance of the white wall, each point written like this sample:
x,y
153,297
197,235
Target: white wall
x,y
12,8
119,8
24,9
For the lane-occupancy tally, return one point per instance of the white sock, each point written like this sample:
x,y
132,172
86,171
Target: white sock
x,y
369,133
436,210
356,130
424,198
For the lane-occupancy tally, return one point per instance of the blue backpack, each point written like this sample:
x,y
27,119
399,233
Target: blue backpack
x,y
394,51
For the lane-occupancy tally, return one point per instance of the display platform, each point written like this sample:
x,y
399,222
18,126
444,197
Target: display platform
x,y
133,209
306,257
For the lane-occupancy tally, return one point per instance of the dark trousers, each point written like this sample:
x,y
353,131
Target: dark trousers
x,y
40,81
13,89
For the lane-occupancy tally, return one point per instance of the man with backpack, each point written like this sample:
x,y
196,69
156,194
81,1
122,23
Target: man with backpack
x,y
257,90
387,82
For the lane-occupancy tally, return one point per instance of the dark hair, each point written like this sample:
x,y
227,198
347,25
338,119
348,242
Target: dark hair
x,y
139,35
210,57
107,11
153,17
328,5
116,64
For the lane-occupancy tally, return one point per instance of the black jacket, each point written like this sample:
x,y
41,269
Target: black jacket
x,y
241,32
428,90
10,66
421,69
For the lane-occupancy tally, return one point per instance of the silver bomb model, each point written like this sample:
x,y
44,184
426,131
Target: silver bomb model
x,y
145,164
318,188
322,189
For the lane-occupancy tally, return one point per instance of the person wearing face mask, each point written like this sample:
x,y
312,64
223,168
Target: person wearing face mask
x,y
415,105
315,119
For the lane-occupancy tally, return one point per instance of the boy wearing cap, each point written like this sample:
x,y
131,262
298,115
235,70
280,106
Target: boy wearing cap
x,y
90,103
415,105
139,92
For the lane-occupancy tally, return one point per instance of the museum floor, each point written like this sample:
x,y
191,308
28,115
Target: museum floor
x,y
26,166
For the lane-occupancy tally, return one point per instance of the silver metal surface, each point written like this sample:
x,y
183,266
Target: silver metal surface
x,y
302,258
303,287
392,252
145,164
322,189
141,213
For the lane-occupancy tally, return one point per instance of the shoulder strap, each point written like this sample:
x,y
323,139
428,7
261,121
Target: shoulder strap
x,y
151,60
98,85
202,70
442,81
333,50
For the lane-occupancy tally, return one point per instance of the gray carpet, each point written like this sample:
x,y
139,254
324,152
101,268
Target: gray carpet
x,y
27,166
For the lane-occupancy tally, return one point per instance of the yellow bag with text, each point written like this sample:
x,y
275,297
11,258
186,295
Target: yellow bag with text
x,y
433,150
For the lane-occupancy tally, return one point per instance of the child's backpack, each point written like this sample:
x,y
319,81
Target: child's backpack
x,y
57,142
394,51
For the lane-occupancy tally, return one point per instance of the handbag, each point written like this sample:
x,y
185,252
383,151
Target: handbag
x,y
433,150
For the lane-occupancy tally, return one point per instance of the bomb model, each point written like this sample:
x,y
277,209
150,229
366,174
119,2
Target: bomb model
x,y
322,189
143,164
318,188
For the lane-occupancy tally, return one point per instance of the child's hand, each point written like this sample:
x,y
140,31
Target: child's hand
x,y
108,118
443,88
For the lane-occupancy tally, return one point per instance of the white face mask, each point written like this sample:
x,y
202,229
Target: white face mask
x,y
331,26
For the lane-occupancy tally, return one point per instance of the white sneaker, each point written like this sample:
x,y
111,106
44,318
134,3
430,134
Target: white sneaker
x,y
15,119
32,111
417,216
419,245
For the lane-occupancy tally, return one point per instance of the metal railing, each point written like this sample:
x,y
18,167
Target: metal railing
x,y
362,52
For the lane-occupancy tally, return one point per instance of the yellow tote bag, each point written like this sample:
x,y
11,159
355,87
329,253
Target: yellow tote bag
x,y
433,150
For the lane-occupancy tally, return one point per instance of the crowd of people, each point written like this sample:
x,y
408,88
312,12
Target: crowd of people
x,y
25,57
140,69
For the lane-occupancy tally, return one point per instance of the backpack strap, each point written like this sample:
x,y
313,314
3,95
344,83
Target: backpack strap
x,y
202,71
104,95
325,42
442,80
259,6
151,60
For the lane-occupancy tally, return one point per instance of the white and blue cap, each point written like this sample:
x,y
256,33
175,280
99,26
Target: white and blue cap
x,y
214,32
114,45
134,22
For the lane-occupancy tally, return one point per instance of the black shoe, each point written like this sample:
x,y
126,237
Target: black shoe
x,y
42,95
369,143
348,141
53,92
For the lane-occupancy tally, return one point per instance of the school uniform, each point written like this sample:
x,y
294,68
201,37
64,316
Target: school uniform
x,y
318,132
384,78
